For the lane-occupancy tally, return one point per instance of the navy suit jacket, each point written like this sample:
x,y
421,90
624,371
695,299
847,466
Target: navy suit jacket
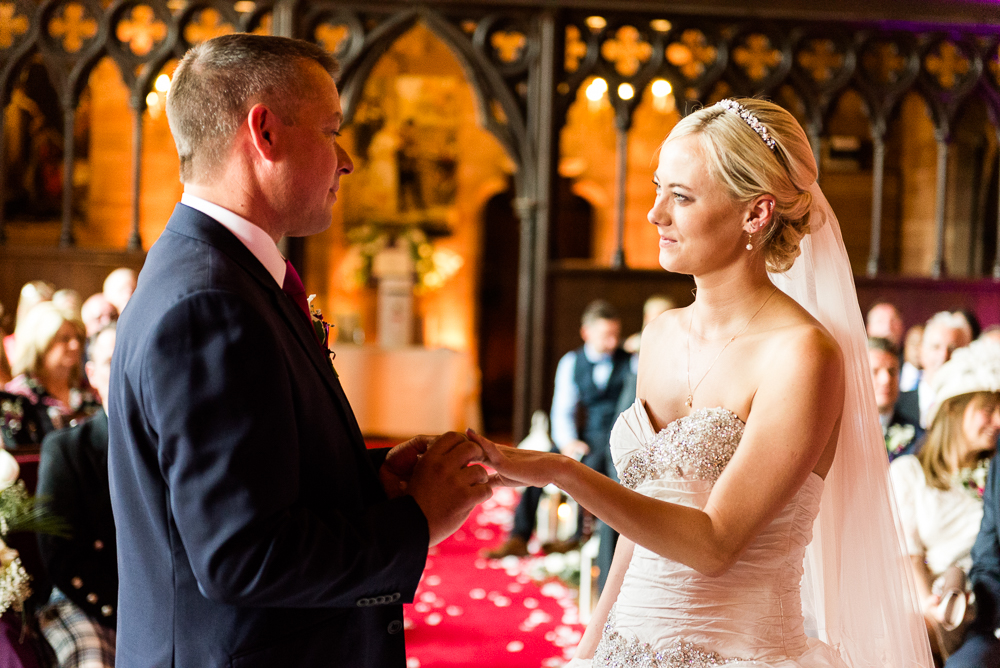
x,y
252,526
985,572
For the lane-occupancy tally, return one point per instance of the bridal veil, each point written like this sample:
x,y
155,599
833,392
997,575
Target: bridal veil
x,y
858,592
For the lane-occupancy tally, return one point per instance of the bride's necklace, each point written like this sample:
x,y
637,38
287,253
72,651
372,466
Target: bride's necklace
x,y
691,390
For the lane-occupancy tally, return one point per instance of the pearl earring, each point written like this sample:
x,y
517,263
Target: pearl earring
x,y
749,241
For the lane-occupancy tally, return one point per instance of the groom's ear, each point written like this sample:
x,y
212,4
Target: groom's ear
x,y
759,214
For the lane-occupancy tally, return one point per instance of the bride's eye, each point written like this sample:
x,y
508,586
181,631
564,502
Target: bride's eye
x,y
679,197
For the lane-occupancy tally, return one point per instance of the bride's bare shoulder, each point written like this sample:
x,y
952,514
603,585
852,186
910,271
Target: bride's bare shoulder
x,y
668,322
804,346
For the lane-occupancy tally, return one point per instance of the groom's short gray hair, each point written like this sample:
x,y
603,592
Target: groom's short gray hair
x,y
218,81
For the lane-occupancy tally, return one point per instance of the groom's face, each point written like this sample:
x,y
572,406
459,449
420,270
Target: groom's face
x,y
314,158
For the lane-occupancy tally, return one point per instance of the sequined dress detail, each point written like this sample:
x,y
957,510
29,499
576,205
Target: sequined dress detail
x,y
668,615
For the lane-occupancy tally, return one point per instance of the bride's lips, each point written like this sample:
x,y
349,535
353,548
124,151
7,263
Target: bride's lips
x,y
666,242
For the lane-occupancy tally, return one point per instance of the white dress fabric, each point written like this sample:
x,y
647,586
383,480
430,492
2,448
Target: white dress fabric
x,y
939,525
668,615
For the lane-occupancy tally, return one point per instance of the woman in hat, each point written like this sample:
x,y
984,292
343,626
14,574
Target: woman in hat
x,y
939,490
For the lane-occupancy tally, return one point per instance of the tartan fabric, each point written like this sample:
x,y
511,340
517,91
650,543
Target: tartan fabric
x,y
78,640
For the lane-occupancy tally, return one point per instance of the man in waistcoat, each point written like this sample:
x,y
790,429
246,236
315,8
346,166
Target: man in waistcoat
x,y
588,383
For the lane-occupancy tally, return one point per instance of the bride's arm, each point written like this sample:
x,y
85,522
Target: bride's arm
x,y
795,415
616,574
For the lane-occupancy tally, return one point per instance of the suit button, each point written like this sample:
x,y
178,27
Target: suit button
x,y
394,598
395,626
91,598
364,602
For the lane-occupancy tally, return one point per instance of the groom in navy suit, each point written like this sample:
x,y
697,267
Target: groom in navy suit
x,y
981,648
254,528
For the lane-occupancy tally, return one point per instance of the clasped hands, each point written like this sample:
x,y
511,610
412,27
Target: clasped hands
x,y
445,476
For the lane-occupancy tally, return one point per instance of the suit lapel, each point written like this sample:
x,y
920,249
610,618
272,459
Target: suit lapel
x,y
193,223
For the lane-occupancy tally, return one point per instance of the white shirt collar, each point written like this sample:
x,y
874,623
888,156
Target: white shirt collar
x,y
254,238
593,356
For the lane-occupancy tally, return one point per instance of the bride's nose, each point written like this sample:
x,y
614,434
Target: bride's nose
x,y
657,214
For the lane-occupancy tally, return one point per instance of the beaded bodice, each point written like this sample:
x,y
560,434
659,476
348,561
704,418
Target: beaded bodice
x,y
695,447
668,615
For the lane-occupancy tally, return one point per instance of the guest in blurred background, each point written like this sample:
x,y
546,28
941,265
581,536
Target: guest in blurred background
x,y
944,333
68,300
46,367
939,491
32,293
884,320
80,620
119,286
97,313
909,374
901,435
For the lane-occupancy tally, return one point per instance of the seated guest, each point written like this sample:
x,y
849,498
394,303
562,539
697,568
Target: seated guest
x,y
46,367
909,374
32,293
944,333
885,321
79,622
939,491
901,435
119,286
97,313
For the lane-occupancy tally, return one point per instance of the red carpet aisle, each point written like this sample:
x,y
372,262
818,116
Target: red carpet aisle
x,y
473,613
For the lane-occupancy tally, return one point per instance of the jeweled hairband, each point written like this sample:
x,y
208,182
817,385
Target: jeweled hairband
x,y
750,119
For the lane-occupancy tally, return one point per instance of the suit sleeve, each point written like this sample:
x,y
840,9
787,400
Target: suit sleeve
x,y
75,566
985,573
217,392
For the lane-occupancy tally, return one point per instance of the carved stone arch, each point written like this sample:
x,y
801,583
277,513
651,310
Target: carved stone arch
x,y
69,72
486,81
823,63
943,100
25,46
122,52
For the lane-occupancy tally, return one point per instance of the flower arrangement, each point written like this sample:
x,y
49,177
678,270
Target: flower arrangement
x,y
898,436
433,266
18,512
321,328
973,479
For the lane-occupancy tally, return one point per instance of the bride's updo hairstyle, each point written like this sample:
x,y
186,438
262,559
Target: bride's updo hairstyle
x,y
742,160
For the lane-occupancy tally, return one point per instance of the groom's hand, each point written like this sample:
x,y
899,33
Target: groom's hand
x,y
447,483
397,469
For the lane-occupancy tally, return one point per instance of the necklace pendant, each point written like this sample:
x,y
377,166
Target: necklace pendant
x,y
689,401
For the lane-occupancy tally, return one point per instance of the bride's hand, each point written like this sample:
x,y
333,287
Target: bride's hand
x,y
516,468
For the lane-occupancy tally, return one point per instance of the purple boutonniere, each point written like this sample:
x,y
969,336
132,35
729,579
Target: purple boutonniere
x,y
321,329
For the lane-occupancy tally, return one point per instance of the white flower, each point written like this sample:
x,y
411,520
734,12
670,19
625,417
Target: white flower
x,y
9,470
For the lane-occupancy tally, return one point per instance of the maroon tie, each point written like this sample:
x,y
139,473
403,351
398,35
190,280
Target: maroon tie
x,y
293,288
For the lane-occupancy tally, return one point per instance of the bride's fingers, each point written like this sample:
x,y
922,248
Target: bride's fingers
x,y
490,449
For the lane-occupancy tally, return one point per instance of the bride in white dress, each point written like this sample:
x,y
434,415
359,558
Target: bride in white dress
x,y
756,524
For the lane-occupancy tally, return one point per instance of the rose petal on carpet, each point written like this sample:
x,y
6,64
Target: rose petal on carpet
x,y
471,612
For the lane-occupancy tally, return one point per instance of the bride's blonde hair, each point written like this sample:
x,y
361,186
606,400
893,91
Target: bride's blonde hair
x,y
748,168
